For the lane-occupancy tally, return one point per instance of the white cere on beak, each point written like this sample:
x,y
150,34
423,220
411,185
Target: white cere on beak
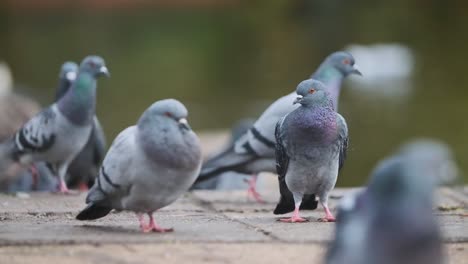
x,y
104,70
71,76
183,121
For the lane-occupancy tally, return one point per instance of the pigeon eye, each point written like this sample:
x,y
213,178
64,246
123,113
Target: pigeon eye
x,y
312,90
346,61
168,114
92,64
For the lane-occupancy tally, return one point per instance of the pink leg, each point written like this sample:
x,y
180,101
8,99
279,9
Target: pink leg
x,y
328,215
251,191
63,187
155,227
295,217
143,226
35,176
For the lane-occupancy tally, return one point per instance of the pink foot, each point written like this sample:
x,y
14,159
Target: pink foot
x,y
251,191
63,189
295,218
152,226
327,219
83,187
156,228
328,216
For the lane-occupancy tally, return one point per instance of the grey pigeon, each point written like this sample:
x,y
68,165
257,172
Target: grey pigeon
x,y
311,146
39,177
85,167
58,133
391,222
148,166
255,151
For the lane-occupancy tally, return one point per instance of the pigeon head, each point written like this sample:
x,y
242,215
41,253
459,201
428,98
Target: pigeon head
x,y
67,76
68,71
169,110
311,92
343,62
94,65
402,178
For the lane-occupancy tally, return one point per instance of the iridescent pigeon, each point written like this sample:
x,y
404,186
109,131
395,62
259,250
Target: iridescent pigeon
x,y
58,133
254,152
311,147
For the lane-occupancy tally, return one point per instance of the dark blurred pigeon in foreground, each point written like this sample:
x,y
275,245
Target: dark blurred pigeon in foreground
x,y
148,166
85,167
311,147
255,151
59,132
391,222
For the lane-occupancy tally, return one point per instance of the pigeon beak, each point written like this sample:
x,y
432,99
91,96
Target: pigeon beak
x,y
71,76
104,71
184,124
298,99
356,70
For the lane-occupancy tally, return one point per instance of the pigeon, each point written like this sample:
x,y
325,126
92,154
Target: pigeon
x,y
227,181
254,152
148,166
58,133
85,167
392,220
311,146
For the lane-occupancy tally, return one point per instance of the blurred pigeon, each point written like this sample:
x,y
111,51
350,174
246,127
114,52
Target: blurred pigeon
x,y
227,181
311,147
58,133
85,167
148,166
392,221
447,171
254,152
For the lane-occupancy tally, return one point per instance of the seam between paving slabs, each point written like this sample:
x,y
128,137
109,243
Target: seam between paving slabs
x,y
209,206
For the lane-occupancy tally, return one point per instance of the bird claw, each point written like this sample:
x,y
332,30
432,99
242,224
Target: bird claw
x,y
327,219
293,220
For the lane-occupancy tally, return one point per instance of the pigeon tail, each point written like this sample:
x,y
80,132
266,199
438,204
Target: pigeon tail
x,y
285,205
93,211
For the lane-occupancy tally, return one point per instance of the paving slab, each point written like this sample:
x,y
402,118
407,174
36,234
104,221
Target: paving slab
x,y
210,227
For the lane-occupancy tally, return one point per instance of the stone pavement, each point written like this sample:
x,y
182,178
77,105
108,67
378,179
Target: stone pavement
x,y
210,227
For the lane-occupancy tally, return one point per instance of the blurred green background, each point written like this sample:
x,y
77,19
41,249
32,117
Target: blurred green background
x,y
228,60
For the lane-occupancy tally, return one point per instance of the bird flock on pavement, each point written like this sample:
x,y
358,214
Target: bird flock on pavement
x,y
300,137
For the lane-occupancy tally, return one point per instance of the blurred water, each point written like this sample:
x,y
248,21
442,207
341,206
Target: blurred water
x,y
227,63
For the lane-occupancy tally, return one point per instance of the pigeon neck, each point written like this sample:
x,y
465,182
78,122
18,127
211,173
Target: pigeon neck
x,y
78,104
332,79
63,86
